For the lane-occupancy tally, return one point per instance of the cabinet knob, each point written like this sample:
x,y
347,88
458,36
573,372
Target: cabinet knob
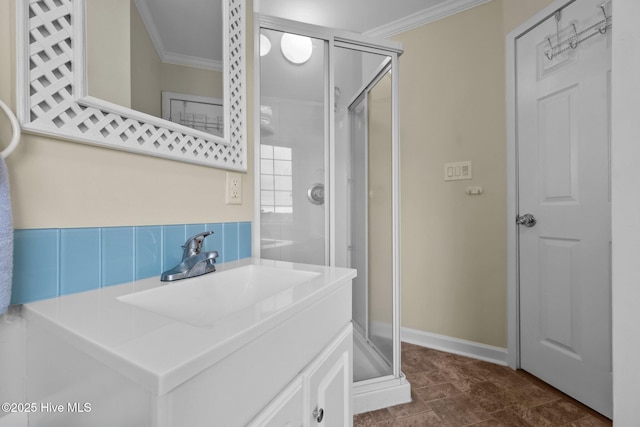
x,y
318,414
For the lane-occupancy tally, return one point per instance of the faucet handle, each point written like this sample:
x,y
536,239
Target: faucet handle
x,y
193,245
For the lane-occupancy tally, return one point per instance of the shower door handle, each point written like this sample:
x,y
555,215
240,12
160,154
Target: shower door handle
x,y
315,194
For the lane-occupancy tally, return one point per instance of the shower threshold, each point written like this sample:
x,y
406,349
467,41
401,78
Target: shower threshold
x,y
374,386
378,393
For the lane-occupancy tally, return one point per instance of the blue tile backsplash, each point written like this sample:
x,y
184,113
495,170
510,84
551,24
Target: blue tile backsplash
x,y
55,262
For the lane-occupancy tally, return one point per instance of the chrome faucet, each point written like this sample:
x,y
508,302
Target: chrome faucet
x,y
194,261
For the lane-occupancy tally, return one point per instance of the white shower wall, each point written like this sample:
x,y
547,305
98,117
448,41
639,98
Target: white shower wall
x,y
298,236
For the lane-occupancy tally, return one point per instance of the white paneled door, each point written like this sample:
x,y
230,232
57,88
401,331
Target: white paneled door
x,y
563,146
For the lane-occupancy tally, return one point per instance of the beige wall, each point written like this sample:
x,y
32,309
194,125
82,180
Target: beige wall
x,y
109,51
452,108
190,80
57,183
146,68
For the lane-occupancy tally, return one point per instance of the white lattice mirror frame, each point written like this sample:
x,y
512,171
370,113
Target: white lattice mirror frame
x,y
52,95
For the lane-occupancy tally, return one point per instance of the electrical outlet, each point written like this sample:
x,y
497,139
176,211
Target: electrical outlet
x,y
234,188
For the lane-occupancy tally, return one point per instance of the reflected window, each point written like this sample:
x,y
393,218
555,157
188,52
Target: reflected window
x,y
276,179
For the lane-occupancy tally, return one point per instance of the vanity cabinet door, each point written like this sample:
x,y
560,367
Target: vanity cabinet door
x,y
286,410
330,381
321,395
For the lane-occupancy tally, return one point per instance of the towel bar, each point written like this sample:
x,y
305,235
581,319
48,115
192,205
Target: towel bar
x,y
15,139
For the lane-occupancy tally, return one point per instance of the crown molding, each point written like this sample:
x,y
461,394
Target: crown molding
x,y
169,57
426,16
192,61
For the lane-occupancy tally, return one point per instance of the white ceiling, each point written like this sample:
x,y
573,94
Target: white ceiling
x,y
188,31
185,31
358,16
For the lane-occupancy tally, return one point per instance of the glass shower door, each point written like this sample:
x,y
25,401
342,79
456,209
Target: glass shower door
x,y
380,213
328,120
363,129
293,147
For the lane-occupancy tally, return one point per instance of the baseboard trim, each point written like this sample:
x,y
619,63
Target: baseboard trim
x,y
488,353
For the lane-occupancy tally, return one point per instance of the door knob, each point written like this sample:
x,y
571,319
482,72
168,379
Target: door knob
x,y
527,220
318,414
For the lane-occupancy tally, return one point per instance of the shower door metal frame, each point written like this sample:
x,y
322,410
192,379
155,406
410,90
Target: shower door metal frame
x,y
343,39
362,96
352,105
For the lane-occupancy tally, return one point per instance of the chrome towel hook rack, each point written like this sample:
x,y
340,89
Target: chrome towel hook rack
x,y
15,139
572,42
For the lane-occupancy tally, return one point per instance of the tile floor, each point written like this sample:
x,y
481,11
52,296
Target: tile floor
x,y
455,391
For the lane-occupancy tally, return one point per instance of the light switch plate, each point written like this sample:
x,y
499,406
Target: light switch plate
x,y
457,171
234,188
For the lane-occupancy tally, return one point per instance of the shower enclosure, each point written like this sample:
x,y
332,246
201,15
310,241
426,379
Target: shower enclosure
x,y
327,179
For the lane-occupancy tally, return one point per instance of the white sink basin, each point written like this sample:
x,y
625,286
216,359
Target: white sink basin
x,y
179,354
200,301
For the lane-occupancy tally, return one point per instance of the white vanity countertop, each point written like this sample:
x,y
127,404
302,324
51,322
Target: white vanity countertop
x,y
160,352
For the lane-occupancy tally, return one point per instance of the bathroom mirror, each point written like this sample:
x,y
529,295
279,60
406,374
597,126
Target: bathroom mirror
x,y
53,97
139,51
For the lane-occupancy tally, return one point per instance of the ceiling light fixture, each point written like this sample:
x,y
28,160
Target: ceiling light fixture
x,y
295,48
265,45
